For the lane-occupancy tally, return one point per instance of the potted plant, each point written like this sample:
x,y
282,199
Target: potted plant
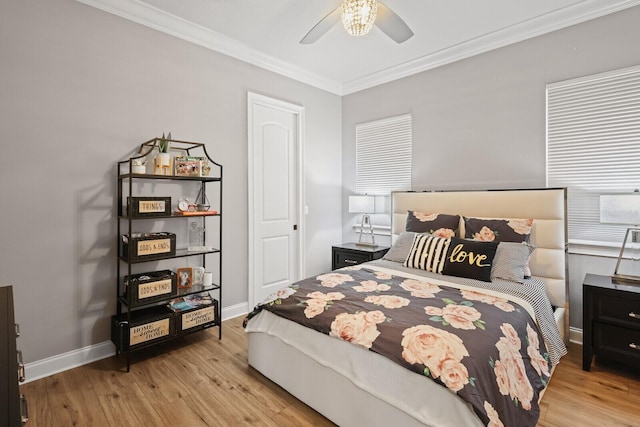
x,y
162,161
163,148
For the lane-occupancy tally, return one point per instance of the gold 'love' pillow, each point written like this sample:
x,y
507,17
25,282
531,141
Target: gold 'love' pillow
x,y
470,258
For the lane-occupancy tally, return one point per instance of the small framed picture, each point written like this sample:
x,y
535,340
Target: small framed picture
x,y
187,166
205,169
185,277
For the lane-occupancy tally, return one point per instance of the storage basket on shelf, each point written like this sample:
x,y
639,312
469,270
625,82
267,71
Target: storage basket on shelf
x,y
150,287
149,326
146,206
148,246
198,317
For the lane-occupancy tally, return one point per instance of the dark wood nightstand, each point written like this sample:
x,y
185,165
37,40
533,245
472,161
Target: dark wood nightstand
x,y
348,254
611,322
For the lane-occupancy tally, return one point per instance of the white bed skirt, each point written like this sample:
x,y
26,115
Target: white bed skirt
x,y
357,389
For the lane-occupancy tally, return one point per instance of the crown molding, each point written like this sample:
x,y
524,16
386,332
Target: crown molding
x,y
143,13
566,17
152,17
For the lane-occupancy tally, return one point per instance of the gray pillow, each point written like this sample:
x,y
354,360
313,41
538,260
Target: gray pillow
x,y
401,248
511,261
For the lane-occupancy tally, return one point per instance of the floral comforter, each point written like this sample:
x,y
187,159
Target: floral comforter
x,y
481,346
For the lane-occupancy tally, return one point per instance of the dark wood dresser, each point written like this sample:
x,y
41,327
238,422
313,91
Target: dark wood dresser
x,y
13,410
611,322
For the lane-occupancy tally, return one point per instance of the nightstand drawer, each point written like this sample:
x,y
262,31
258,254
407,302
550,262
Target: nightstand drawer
x,y
620,309
616,343
350,254
346,258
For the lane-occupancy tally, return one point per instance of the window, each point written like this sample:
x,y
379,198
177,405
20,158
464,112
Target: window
x,y
593,147
383,155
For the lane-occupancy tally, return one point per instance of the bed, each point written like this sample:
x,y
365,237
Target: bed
x,y
355,384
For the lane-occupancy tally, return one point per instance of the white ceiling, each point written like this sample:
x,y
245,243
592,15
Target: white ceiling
x,y
267,33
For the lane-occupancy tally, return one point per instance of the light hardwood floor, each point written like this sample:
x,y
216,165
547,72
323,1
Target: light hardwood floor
x,y
202,381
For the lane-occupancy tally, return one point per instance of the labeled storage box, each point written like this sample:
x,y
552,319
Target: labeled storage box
x,y
150,287
148,246
198,318
147,326
149,206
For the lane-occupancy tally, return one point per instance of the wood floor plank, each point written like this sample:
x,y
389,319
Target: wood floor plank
x,y
74,407
596,398
130,409
203,381
40,411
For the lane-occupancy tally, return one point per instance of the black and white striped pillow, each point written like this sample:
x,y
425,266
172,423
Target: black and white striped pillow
x,y
428,253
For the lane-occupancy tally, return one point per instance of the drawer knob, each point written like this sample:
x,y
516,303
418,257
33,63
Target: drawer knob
x,y
634,346
633,315
350,261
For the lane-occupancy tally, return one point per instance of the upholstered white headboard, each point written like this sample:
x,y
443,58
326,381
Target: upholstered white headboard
x,y
546,206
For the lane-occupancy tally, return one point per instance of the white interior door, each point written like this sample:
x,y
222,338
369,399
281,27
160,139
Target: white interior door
x,y
274,195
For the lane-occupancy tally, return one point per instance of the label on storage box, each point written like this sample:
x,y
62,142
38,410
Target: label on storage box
x,y
152,289
151,206
152,247
149,331
198,317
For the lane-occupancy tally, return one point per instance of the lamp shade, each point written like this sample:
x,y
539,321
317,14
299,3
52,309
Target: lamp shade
x,y
362,204
620,208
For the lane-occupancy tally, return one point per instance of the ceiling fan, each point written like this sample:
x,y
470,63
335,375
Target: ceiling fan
x,y
358,16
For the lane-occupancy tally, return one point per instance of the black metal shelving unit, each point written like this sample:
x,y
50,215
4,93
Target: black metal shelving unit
x,y
129,313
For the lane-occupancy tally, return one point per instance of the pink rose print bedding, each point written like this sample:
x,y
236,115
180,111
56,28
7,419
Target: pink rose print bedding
x,y
486,349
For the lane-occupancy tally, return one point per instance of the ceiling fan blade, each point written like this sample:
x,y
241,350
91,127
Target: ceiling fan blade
x,y
322,27
392,25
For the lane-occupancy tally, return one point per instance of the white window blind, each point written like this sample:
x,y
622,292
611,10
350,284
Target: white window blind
x,y
593,146
383,155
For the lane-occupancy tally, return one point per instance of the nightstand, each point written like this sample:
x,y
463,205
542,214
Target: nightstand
x,y
348,254
611,322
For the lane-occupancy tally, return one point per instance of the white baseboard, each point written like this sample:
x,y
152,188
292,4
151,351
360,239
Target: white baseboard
x,y
65,361
83,356
235,311
575,335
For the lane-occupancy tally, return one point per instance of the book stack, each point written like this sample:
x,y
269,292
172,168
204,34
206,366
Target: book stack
x,y
190,302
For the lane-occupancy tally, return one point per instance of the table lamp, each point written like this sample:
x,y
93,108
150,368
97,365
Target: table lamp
x,y
622,209
364,205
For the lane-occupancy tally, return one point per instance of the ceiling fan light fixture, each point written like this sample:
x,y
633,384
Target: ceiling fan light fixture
x,y
358,16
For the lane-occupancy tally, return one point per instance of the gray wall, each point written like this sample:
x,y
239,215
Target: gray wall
x,y
480,123
80,89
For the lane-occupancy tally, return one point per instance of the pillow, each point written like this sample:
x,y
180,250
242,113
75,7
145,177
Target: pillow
x,y
470,258
441,225
427,253
511,261
401,248
498,230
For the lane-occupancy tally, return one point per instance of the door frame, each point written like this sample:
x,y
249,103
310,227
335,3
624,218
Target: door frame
x,y
254,99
